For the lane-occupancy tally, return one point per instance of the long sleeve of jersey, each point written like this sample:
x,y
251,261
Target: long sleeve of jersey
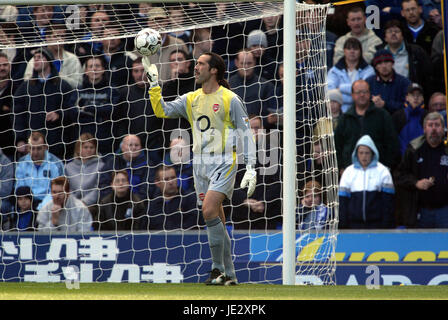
x,y
240,119
172,109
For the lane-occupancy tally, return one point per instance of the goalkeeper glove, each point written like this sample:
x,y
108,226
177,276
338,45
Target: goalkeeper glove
x,y
151,72
249,180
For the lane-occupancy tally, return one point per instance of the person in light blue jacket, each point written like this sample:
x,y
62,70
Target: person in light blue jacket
x,y
38,168
348,69
366,190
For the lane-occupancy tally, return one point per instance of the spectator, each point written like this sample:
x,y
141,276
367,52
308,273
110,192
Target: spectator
x,y
432,12
96,24
7,90
121,210
142,14
266,66
423,177
35,29
84,171
96,102
356,20
182,78
24,216
437,103
336,101
139,164
135,114
46,102
257,93
180,158
171,210
178,20
410,60
262,209
118,63
361,119
18,58
66,63
169,45
227,39
202,42
438,59
388,87
37,168
64,212
312,213
366,190
408,121
348,69
272,26
418,31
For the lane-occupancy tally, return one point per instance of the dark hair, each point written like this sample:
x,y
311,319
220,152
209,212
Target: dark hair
x,y
161,168
61,181
217,62
392,24
351,43
416,2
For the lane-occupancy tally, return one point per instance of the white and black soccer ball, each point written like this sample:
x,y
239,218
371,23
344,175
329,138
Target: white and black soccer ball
x,y
148,41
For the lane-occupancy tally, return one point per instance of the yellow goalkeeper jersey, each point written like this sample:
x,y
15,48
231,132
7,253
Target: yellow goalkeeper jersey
x,y
216,119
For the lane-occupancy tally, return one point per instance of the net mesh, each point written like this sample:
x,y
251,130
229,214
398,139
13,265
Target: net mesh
x,y
75,105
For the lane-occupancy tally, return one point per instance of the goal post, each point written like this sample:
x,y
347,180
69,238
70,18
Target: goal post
x,y
289,240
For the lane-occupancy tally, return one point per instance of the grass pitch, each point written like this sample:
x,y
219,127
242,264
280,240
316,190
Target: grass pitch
x,y
187,291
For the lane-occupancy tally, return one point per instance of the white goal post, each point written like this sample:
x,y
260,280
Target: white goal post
x,y
298,238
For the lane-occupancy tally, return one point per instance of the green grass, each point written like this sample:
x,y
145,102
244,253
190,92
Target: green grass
x,y
148,291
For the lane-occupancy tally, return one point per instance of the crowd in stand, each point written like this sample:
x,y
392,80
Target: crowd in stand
x,y
81,149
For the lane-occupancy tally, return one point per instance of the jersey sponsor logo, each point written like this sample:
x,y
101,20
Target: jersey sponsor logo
x,y
203,123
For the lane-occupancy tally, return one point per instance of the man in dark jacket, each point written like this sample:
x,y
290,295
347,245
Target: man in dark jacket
x,y
418,31
388,88
170,209
121,209
46,103
96,101
361,119
422,176
410,60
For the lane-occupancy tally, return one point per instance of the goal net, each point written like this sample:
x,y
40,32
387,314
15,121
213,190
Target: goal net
x,y
95,188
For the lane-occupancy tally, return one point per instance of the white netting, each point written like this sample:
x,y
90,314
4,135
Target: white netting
x,y
76,81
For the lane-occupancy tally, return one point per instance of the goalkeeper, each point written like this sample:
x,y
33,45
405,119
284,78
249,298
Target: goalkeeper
x,y
217,118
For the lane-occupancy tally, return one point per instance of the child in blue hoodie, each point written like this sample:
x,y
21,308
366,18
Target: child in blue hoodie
x,y
25,217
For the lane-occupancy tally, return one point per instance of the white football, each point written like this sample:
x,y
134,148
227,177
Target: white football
x,y
148,41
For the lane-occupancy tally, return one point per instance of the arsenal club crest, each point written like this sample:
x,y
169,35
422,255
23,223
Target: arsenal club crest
x,y
216,107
